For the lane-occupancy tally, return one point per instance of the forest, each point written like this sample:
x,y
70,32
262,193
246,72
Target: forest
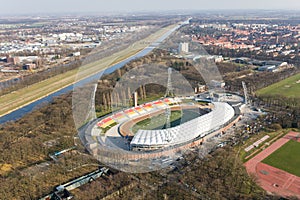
x,y
27,172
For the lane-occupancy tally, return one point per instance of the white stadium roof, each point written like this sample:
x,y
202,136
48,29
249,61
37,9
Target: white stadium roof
x,y
200,126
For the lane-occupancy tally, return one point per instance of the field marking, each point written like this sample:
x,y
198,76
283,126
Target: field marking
x,y
287,87
271,181
283,156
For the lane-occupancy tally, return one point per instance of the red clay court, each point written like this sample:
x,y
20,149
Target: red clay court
x,y
272,179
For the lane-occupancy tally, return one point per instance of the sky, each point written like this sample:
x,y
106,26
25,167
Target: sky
x,y
14,7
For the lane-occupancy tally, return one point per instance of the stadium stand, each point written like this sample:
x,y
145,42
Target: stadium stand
x,y
198,127
159,104
148,106
171,100
120,117
140,110
257,143
131,113
167,101
106,122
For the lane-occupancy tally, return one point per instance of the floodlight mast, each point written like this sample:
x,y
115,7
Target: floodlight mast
x,y
245,92
170,90
169,93
91,113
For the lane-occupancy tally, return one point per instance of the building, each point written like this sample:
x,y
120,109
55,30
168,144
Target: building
x,y
217,59
183,47
12,60
76,53
217,84
29,66
201,126
200,89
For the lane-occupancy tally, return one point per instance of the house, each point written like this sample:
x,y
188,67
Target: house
x,y
29,66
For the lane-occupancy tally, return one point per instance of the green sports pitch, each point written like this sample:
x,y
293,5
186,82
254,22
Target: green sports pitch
x,y
159,121
289,87
286,158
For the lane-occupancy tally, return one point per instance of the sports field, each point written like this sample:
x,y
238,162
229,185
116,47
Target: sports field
x,y
286,158
289,87
156,122
275,166
159,121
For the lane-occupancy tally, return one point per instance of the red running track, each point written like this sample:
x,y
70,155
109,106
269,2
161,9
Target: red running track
x,y
273,179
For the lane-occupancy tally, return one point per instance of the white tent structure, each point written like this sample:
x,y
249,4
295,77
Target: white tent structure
x,y
199,127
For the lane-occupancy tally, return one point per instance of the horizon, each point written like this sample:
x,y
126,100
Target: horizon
x,y
56,7
178,12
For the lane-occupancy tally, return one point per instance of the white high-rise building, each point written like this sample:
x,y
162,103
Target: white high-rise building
x,y
183,47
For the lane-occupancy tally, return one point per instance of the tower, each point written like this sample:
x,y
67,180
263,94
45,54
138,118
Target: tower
x,y
170,90
91,112
245,92
135,98
169,93
183,47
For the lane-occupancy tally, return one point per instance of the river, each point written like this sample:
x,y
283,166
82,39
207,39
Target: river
x,y
19,113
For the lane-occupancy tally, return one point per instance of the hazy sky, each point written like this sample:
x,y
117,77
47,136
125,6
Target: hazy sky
x,y
66,6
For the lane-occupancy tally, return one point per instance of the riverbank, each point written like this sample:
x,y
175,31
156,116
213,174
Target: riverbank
x,y
18,99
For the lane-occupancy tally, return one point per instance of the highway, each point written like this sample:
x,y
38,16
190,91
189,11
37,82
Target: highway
x,y
15,105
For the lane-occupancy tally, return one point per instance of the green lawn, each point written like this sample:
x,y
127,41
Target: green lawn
x,y
286,158
157,122
289,87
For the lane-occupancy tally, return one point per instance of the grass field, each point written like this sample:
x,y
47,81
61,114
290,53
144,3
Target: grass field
x,y
286,158
289,87
159,121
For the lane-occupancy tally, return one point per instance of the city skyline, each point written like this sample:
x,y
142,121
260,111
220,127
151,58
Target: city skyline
x,y
18,7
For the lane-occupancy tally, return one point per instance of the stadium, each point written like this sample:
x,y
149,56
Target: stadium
x,y
142,137
152,134
141,133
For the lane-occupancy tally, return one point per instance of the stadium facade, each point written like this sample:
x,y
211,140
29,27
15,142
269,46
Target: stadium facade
x,y
199,127
109,127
